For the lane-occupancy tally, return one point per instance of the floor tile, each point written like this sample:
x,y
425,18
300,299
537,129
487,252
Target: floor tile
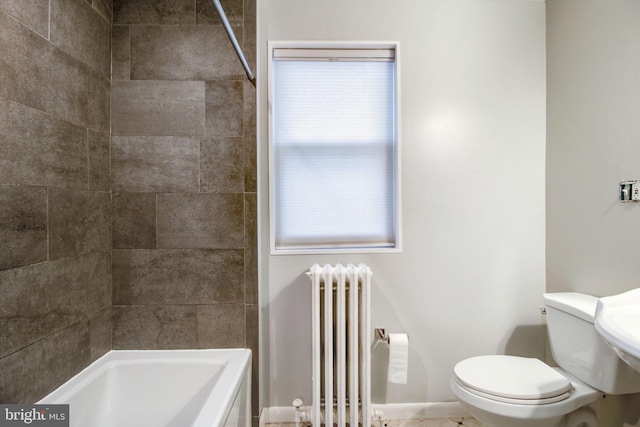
x,y
431,422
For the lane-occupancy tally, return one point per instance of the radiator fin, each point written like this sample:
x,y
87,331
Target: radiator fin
x,y
341,345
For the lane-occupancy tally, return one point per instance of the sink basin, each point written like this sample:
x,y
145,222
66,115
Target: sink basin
x,y
617,320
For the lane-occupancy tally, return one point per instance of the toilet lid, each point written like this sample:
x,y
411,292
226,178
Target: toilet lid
x,y
512,377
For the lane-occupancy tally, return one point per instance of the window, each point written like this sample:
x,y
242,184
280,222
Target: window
x,y
333,149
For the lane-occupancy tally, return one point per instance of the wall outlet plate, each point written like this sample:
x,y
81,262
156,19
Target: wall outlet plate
x,y
630,191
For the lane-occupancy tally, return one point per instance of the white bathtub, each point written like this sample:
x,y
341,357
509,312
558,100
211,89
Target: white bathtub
x,y
160,388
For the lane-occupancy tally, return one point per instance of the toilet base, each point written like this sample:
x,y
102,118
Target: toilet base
x,y
583,417
493,413
492,420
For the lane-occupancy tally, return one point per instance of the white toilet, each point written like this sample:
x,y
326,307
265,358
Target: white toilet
x,y
510,391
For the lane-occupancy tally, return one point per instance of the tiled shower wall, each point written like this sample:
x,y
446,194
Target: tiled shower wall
x,y
154,233
55,201
183,177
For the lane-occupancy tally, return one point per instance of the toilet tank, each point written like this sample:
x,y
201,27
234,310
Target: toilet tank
x,y
577,347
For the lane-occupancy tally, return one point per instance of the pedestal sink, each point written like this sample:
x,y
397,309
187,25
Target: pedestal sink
x,y
618,322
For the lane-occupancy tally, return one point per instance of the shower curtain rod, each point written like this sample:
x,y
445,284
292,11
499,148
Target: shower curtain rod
x,y
234,41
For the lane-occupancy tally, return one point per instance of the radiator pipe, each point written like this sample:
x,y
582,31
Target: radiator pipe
x,y
302,413
234,41
378,415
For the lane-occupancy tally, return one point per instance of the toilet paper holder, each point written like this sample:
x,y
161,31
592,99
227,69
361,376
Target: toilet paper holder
x,y
381,335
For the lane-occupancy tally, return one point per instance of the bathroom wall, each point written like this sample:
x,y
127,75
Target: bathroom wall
x,y
593,107
174,194
55,205
183,177
471,276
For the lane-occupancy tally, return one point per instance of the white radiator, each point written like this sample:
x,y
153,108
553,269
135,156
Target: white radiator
x,y
341,345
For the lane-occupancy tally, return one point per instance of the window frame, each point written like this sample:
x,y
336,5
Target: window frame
x,y
274,250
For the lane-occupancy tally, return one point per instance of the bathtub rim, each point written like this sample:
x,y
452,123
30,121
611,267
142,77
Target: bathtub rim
x,y
215,410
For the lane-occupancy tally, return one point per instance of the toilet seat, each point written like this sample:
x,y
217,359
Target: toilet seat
x,y
511,379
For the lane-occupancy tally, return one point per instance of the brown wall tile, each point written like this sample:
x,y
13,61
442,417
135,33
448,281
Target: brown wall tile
x,y
79,222
222,164
250,163
37,149
20,331
40,299
249,113
155,163
250,32
81,31
104,7
54,134
154,327
134,220
173,79
121,276
100,332
120,53
224,108
200,220
206,13
23,226
221,326
98,103
201,52
253,343
30,374
32,13
99,161
49,79
250,139
150,12
251,248
157,108
178,276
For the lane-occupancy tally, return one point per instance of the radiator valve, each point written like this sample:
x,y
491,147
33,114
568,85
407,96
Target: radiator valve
x,y
378,415
302,413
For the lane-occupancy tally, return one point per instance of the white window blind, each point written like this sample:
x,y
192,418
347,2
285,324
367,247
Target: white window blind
x,y
334,149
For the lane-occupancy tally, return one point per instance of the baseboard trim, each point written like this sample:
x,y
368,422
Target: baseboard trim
x,y
392,411
420,411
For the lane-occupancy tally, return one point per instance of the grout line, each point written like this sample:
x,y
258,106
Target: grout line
x,y
128,51
197,328
48,226
156,220
88,152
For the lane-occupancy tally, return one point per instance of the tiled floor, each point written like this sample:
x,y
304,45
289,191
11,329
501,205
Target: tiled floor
x,y
440,422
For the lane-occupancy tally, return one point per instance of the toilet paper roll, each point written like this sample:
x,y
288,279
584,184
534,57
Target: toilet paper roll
x,y
398,358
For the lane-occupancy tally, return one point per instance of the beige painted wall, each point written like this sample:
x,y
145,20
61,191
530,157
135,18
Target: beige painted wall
x,y
472,272
593,93
593,142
